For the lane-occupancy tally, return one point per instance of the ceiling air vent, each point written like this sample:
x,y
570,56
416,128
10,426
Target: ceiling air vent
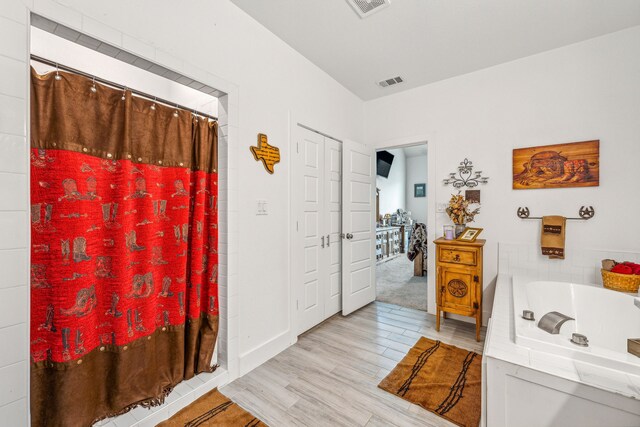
x,y
390,82
365,8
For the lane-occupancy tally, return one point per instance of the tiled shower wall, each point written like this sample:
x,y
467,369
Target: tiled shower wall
x,y
14,217
580,265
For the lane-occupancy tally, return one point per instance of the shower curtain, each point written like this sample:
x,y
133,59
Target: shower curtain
x,y
124,261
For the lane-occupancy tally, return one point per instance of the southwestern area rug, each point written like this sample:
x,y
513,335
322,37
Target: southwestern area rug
x,y
213,409
441,378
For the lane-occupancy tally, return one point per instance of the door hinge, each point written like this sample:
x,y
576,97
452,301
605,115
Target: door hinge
x,y
475,305
476,278
296,225
297,147
297,305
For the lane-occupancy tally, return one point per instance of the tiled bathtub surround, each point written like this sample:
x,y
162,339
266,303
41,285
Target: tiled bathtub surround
x,y
579,265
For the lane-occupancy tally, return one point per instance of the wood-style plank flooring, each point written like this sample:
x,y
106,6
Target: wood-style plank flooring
x,y
330,376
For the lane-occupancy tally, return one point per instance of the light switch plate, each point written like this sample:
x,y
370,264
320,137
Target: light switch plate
x,y
262,207
441,207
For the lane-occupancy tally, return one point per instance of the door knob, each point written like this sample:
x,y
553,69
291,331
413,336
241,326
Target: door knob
x,y
349,236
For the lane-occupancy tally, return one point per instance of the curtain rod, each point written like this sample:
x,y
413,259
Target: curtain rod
x,y
119,86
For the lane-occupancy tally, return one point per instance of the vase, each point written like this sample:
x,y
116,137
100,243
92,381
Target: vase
x,y
459,229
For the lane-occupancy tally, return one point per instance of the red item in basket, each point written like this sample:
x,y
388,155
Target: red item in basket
x,y
635,268
622,269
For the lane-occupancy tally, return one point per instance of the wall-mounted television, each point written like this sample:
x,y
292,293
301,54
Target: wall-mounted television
x,y
383,165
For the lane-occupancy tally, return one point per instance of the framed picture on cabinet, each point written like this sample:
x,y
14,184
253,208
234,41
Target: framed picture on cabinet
x,y
419,190
470,234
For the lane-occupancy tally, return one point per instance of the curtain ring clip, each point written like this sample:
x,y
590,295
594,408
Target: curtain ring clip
x,y
93,85
153,106
58,76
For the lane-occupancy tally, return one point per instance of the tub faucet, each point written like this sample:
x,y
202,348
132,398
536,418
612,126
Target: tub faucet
x,y
553,321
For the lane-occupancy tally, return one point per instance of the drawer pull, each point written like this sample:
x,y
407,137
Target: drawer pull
x,y
456,258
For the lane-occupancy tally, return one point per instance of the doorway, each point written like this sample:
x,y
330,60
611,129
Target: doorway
x,y
401,225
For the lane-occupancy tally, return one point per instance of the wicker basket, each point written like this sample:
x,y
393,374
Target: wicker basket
x,y
620,282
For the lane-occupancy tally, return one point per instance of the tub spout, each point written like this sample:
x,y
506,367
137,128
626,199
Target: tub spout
x,y
553,321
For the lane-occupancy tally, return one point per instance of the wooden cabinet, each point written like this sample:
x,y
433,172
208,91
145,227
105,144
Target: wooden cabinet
x,y
459,279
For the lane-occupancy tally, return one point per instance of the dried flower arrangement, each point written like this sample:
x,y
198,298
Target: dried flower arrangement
x,y
459,210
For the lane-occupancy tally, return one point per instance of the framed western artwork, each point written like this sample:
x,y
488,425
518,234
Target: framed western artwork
x,y
576,164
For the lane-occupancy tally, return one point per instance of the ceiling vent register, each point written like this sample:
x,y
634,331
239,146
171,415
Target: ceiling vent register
x,y
390,82
366,8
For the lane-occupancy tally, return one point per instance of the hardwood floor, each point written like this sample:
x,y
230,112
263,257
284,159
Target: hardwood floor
x,y
330,376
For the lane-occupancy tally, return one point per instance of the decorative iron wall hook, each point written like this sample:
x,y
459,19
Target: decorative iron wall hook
x,y
466,177
584,212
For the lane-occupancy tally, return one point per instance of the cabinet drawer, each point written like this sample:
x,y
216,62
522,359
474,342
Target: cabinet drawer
x,y
457,255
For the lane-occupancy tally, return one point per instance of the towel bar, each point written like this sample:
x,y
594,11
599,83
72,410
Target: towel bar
x,y
584,212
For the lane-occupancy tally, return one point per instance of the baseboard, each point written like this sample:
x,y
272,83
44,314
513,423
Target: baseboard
x,y
256,357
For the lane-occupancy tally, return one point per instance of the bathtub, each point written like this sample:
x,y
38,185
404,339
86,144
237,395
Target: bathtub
x,y
533,378
606,317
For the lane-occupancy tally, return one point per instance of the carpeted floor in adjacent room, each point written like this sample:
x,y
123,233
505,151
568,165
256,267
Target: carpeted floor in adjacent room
x,y
396,284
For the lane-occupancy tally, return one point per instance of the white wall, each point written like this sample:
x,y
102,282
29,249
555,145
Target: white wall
x,y
589,90
417,174
393,188
216,43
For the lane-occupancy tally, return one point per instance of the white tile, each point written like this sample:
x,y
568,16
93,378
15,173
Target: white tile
x,y
13,306
14,347
59,13
141,413
13,230
124,420
139,48
167,60
101,31
13,153
14,78
12,114
156,418
14,382
13,40
15,10
14,192
14,268
15,413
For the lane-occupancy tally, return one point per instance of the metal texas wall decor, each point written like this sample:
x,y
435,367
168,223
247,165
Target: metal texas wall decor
x,y
269,154
465,177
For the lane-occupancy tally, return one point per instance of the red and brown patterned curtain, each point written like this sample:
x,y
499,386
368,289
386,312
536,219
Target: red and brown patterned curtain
x,y
124,259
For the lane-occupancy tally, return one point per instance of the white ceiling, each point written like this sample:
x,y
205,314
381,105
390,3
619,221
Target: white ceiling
x,y
429,40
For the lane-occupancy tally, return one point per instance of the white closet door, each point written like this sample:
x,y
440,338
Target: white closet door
x,y
358,224
310,311
332,212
